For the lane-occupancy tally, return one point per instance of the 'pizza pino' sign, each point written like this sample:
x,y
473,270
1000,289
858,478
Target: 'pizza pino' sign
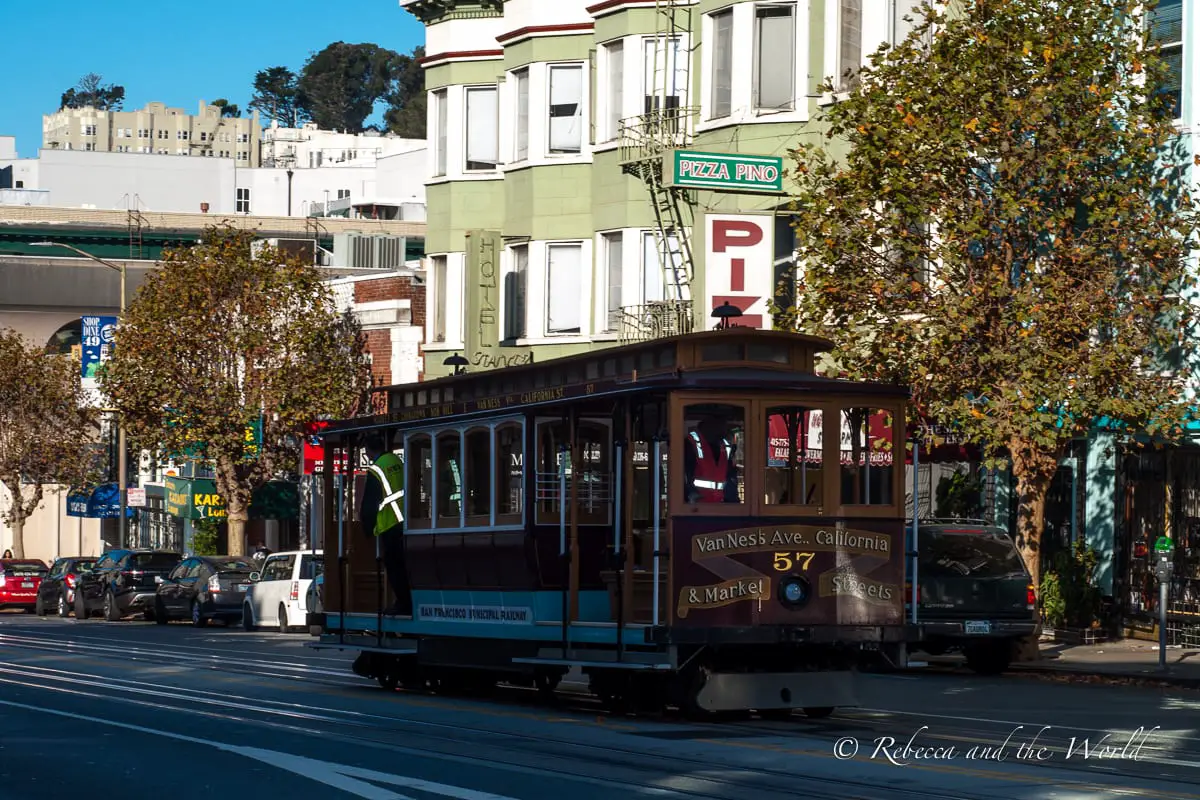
x,y
739,266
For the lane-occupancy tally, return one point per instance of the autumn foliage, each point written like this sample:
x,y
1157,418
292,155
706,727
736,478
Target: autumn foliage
x,y
220,336
46,429
999,217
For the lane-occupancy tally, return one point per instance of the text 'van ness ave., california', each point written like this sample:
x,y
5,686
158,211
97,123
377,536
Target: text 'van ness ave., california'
x,y
755,540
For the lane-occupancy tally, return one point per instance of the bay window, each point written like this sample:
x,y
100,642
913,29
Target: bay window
x,y
665,75
775,56
441,120
564,266
659,268
849,48
521,150
440,285
613,255
614,97
514,293
722,64
566,108
1166,30
482,133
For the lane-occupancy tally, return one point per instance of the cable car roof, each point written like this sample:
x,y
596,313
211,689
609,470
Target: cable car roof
x,y
726,359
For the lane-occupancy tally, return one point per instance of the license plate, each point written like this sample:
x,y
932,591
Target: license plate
x,y
27,585
983,627
241,587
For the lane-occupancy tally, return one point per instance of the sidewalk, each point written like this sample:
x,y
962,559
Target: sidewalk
x,y
1128,658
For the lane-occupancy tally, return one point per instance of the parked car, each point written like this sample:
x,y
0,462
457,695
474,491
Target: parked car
x,y
203,588
19,581
57,590
278,593
122,583
315,604
974,594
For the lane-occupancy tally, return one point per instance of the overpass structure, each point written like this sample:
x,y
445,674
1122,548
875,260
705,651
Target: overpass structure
x,y
44,291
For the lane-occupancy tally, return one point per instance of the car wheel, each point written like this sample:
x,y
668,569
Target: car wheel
x,y
38,608
160,612
283,619
81,611
64,609
110,607
247,618
198,619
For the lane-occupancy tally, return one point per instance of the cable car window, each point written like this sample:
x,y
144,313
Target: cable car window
x,y
479,476
765,352
795,471
510,472
713,453
420,482
593,479
722,352
450,483
867,456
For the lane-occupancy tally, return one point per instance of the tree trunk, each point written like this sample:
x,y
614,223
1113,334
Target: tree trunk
x,y
237,497
1033,470
237,531
18,533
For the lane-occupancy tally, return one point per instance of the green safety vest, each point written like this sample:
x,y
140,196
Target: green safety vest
x,y
389,470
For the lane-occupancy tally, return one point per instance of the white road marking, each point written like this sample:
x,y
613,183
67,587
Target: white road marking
x,y
339,776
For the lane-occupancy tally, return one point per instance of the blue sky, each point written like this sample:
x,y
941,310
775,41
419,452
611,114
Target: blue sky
x,y
177,53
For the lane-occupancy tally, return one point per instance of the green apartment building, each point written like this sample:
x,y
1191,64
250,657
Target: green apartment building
x,y
554,127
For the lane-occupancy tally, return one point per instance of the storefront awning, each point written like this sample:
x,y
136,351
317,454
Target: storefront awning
x,y
103,502
197,498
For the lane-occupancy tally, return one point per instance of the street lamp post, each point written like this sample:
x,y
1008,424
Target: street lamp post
x,y
122,466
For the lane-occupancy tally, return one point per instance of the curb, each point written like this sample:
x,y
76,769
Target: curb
x,y
1150,678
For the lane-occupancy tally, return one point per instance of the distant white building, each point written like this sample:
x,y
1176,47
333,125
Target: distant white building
x,y
383,187
309,147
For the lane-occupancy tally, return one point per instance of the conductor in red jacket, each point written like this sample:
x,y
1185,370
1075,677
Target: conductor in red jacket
x,y
710,471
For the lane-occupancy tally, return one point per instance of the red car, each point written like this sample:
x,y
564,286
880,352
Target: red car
x,y
19,581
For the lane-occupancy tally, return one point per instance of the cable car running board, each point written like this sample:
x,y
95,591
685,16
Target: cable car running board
x,y
660,666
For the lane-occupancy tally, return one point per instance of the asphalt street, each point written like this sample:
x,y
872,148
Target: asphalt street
x,y
145,711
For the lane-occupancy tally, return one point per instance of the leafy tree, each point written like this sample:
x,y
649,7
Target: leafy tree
x,y
406,97
45,429
340,85
1000,219
276,97
228,109
223,334
92,91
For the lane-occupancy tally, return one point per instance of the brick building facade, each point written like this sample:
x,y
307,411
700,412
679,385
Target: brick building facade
x,y
391,309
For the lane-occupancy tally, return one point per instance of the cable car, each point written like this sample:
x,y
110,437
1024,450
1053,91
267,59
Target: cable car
x,y
698,521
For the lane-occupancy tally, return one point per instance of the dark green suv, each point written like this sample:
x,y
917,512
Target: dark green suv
x,y
974,594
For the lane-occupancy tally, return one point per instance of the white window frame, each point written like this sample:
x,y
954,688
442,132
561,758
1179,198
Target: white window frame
x,y
579,68
772,64
610,293
243,200
580,284
522,113
744,49
440,122
515,265
648,242
710,65
611,89
468,92
1176,45
439,283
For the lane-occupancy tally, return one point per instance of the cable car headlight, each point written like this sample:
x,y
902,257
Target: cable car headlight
x,y
794,591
